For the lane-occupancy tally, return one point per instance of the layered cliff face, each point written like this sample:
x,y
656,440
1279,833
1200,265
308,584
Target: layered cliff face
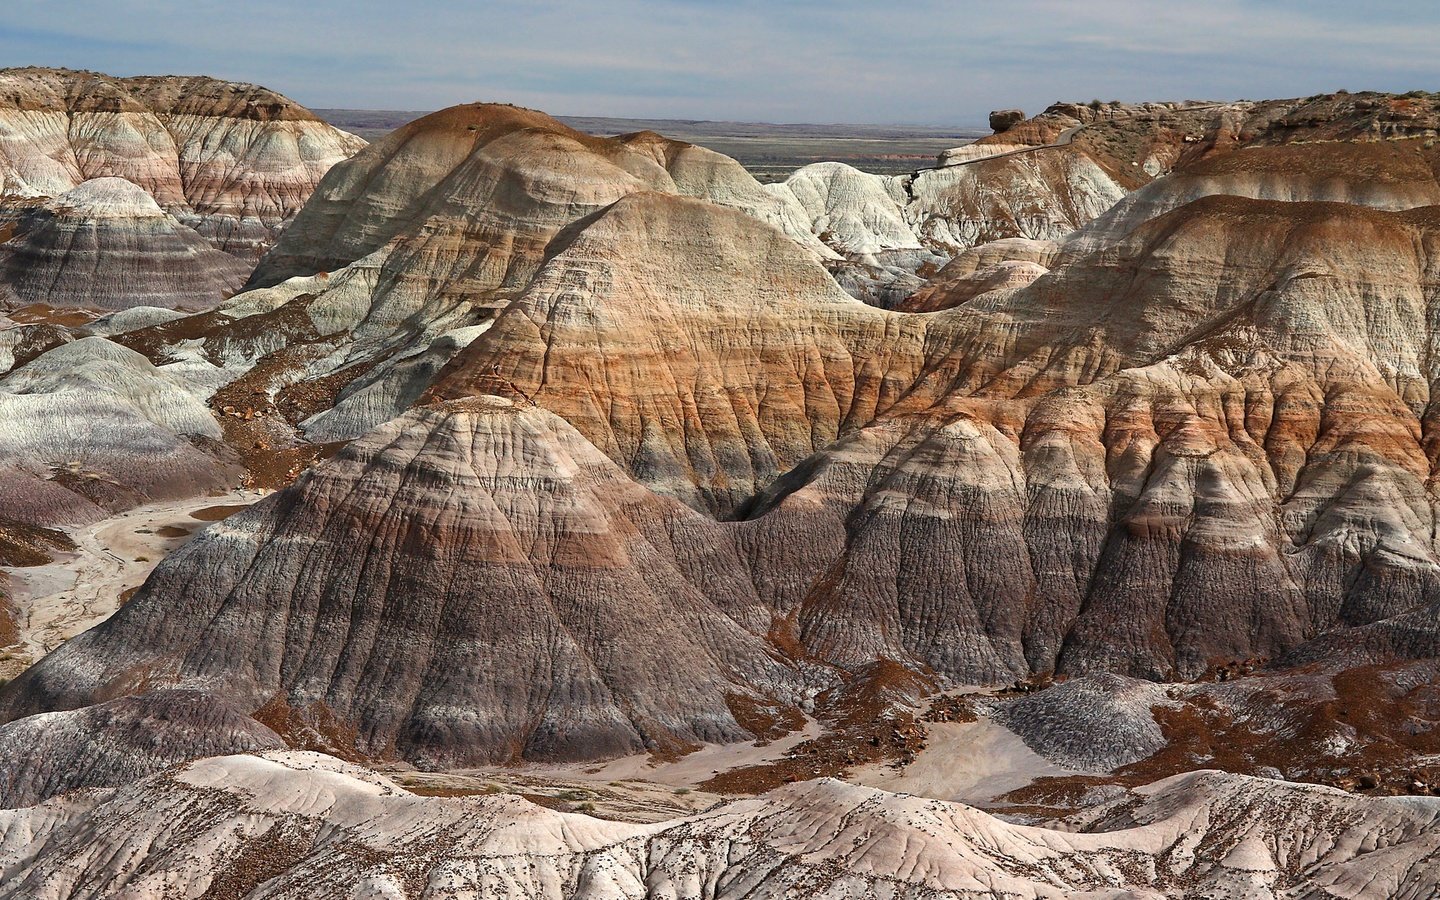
x,y
408,251
294,825
1391,175
1152,139
1043,178
894,232
1245,151
429,235
702,350
232,161
522,175
107,244
1263,480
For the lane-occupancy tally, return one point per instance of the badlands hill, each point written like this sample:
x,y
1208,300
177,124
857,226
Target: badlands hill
x,y
107,244
1194,435
210,166
233,161
403,257
590,459
137,195
1042,178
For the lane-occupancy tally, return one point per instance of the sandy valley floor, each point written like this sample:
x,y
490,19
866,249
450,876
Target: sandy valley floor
x,y
57,601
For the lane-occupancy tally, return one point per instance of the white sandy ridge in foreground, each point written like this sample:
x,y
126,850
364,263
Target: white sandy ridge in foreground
x,y
293,824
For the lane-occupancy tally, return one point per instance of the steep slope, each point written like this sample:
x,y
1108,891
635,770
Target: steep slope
x,y
408,251
117,743
1042,195
233,161
298,825
481,158
1262,481
855,212
521,598
1141,141
707,175
107,244
704,352
1244,530
894,232
1227,463
1043,178
1391,175
966,278
1206,441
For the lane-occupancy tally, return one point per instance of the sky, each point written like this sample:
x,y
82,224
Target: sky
x,y
905,61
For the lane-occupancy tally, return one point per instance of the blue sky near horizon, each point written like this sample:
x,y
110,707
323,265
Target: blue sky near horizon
x,y
911,61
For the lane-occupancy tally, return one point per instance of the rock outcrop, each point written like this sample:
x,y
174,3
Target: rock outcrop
x,y
107,244
476,161
1204,437
1143,497
616,463
1390,175
1003,265
1002,120
704,351
232,161
296,825
1206,441
1042,178
408,251
973,198
939,541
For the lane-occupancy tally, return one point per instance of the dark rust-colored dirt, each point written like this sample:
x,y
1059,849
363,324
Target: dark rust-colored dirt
x,y
868,719
1394,715
45,314
766,721
313,728
303,399
30,545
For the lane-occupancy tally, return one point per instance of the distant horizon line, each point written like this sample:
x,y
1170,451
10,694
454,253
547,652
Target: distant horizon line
x,y
978,123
